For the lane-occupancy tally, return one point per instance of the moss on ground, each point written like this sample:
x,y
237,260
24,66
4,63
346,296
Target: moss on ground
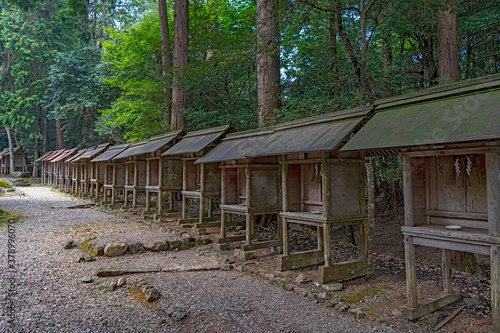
x,y
356,297
5,216
4,184
87,247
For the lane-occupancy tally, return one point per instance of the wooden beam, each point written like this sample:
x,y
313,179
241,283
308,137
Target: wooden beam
x,y
493,192
344,270
429,305
300,259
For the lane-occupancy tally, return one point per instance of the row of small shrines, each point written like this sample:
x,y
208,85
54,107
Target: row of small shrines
x,y
312,172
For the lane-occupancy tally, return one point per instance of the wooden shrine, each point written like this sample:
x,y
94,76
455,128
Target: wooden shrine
x,y
321,187
73,172
114,174
62,170
83,168
249,187
163,175
44,171
449,140
136,157
200,182
20,161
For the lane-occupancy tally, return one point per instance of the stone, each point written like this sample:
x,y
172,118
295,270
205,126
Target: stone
x,y
240,268
87,279
227,268
9,190
239,228
333,286
302,278
146,287
358,313
108,286
152,295
68,245
156,246
288,287
79,259
174,245
397,312
179,315
121,282
312,296
203,240
342,307
184,243
136,248
322,297
301,291
98,249
115,249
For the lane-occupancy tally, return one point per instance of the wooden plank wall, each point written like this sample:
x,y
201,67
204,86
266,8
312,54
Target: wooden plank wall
x,y
345,189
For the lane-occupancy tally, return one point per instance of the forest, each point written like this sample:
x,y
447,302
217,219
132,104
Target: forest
x,y
77,73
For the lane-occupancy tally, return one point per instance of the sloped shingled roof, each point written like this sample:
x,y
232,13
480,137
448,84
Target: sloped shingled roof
x,y
150,145
321,133
458,113
237,146
194,142
110,153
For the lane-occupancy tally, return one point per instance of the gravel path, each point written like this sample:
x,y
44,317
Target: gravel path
x,y
52,298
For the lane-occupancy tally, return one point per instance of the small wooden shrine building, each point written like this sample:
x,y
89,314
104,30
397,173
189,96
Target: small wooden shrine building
x,y
53,167
199,181
136,163
63,169
114,173
20,161
81,171
449,140
249,187
163,174
44,165
321,187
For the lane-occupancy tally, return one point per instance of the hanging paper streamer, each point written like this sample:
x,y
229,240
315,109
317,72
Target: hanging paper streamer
x,y
468,167
457,166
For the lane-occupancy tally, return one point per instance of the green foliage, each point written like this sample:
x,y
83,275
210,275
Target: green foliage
x,y
4,184
76,92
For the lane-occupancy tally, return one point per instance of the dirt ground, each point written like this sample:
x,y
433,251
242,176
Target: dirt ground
x,y
244,299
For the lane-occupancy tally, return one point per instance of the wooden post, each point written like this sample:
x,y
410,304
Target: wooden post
x,y
495,287
136,183
171,200
408,191
493,192
223,202
249,216
447,272
159,200
284,187
148,200
411,272
370,178
327,244
210,207
185,203
113,190
286,238
363,241
326,185
249,234
202,193
222,224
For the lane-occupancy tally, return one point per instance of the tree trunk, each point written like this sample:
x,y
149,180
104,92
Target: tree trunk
x,y
181,40
448,44
333,51
11,151
94,23
364,50
45,142
387,60
59,135
36,151
166,57
268,61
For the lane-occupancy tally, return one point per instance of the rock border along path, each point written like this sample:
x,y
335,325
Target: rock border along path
x,y
51,296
